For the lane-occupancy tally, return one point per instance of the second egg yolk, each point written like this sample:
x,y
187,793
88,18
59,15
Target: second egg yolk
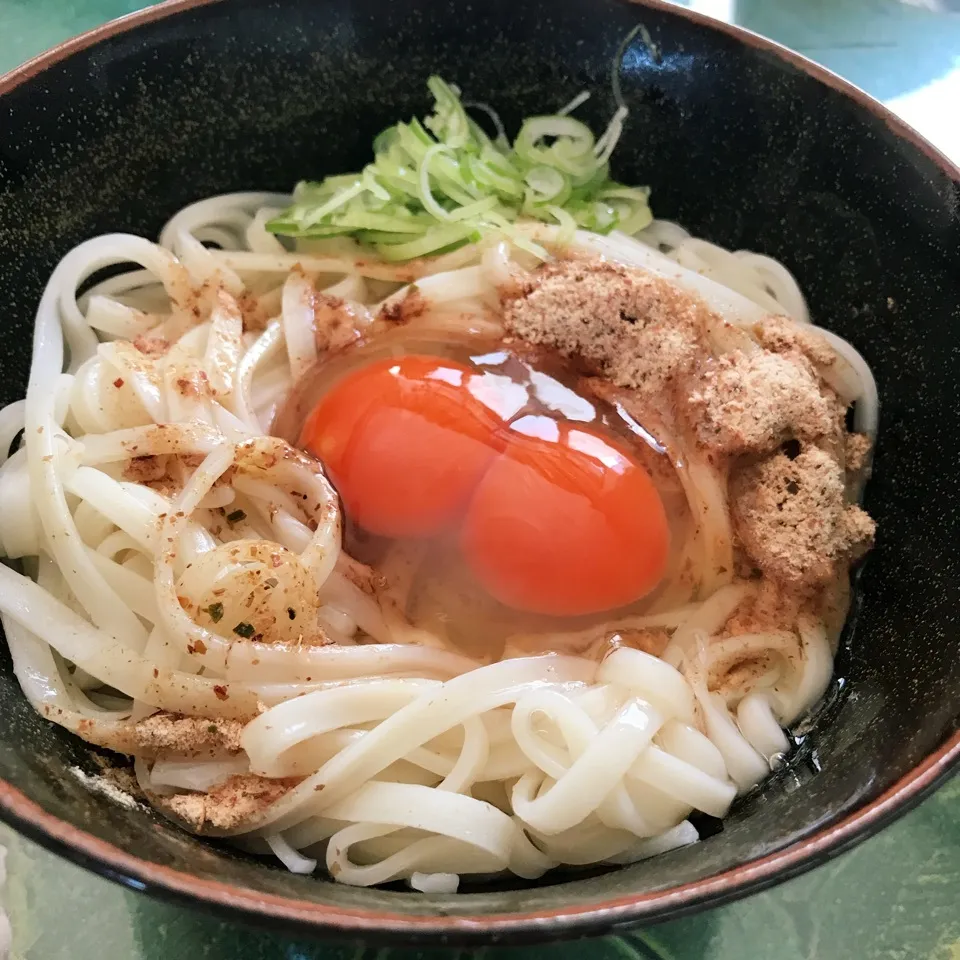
x,y
565,523
553,517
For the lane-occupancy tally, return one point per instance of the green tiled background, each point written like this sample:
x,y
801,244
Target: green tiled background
x,y
895,897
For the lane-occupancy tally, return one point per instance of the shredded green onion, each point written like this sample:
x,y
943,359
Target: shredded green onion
x,y
439,183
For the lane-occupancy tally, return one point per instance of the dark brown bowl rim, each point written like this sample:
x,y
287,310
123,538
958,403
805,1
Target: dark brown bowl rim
x,y
591,919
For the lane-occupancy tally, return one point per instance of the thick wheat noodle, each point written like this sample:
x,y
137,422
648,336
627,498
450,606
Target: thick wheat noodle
x,y
396,742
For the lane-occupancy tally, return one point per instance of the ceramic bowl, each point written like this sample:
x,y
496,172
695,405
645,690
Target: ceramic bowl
x,y
742,141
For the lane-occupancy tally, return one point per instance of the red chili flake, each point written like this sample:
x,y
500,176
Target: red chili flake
x,y
221,692
118,383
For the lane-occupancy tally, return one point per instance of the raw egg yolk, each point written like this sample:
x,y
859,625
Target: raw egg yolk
x,y
404,442
565,523
555,518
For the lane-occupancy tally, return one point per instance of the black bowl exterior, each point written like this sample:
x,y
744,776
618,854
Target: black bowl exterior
x,y
741,143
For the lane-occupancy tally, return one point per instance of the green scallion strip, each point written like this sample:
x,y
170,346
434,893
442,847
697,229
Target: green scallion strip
x,y
431,242
477,209
337,201
486,175
426,195
376,237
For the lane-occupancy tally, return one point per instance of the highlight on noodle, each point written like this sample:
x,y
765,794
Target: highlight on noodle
x,y
457,533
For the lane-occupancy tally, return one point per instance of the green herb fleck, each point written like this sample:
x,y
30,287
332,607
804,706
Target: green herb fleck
x,y
244,630
213,728
236,516
215,610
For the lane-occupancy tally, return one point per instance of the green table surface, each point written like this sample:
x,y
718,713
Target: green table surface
x,y
895,897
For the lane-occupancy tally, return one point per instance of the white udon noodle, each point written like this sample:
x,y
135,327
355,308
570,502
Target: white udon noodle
x,y
418,764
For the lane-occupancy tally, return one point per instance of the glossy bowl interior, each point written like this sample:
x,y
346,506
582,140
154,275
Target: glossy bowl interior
x,y
741,142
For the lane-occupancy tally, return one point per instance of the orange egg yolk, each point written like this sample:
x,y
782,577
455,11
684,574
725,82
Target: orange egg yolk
x,y
404,443
554,518
565,523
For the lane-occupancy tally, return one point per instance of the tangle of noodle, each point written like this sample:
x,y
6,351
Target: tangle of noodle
x,y
398,758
